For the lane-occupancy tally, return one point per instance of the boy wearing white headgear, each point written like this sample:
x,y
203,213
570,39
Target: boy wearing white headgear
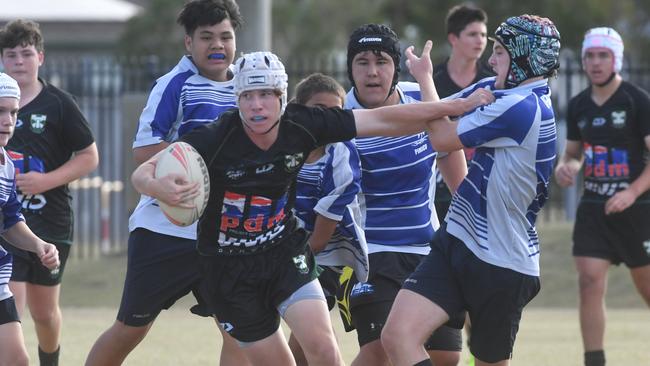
x,y
608,131
14,230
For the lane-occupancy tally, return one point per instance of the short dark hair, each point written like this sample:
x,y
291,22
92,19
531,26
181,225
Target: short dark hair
x,y
21,32
461,15
317,83
198,13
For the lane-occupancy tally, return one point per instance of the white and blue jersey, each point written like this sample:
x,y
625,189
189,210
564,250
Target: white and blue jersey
x,y
398,185
179,101
10,209
495,207
330,187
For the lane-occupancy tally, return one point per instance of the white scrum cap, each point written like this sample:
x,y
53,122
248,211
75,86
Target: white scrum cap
x,y
607,38
8,87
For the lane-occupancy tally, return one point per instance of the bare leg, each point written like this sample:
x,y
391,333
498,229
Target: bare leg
x,y
592,280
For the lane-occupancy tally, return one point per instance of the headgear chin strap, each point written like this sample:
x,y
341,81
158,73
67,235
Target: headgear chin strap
x,y
8,87
376,38
533,44
605,37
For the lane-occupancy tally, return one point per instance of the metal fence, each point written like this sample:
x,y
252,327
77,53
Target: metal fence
x,y
103,84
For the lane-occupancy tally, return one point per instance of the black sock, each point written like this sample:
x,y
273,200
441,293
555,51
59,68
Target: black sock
x,y
595,358
48,359
426,362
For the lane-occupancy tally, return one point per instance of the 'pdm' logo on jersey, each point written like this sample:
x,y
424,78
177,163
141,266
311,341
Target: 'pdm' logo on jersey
x,y
24,164
252,214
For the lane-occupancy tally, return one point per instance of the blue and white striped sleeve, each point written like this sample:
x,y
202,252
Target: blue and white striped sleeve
x,y
163,111
504,123
11,211
341,181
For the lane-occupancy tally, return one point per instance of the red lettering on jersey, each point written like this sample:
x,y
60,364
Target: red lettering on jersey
x,y
228,222
254,224
276,219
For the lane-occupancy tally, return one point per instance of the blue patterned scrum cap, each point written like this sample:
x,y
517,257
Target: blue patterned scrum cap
x,y
533,44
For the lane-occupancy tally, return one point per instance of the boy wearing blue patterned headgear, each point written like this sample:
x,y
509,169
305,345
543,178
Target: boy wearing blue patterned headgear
x,y
485,258
608,131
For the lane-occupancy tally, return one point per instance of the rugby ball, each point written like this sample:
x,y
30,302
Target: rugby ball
x,y
181,158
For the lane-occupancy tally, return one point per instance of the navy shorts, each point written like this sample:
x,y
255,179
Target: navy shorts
x,y
160,270
8,311
371,301
28,268
620,237
452,277
244,291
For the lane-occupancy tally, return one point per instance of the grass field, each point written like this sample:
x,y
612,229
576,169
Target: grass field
x,y
549,332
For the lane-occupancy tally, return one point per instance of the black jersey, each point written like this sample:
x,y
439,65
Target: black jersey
x,y
612,137
48,130
446,86
252,190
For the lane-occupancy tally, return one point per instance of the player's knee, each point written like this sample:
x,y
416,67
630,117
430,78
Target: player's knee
x,y
444,358
591,283
325,353
392,337
46,315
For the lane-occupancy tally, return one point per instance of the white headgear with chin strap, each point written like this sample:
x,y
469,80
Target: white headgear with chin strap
x,y
261,70
607,38
8,87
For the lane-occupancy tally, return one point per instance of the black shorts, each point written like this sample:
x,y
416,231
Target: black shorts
x,y
620,237
245,291
160,270
329,281
371,301
452,277
8,311
28,268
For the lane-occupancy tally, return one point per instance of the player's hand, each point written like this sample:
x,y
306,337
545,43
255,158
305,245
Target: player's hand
x,y
31,183
478,98
620,201
565,173
49,256
175,190
420,67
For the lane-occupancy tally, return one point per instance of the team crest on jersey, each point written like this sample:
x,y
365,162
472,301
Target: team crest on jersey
x,y
646,245
37,123
301,263
598,122
293,162
618,119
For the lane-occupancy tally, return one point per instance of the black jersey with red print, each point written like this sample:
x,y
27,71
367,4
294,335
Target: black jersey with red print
x,y
252,190
49,130
612,137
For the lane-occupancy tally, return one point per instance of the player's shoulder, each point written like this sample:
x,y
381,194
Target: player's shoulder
x,y
638,93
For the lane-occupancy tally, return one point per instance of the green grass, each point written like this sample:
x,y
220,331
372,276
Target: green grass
x,y
549,332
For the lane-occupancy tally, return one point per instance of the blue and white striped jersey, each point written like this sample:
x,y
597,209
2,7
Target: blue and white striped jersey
x,y
398,185
179,101
330,187
494,210
9,216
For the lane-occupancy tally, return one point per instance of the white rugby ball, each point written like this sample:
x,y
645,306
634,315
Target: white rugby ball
x,y
181,158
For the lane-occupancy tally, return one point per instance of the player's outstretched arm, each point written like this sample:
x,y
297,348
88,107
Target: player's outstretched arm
x,y
408,119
